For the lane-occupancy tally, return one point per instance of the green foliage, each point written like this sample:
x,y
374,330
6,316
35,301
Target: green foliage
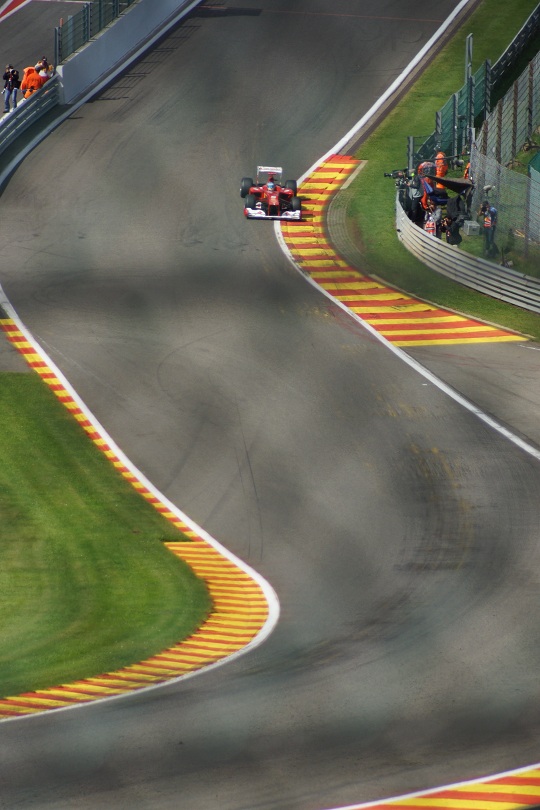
x,y
86,586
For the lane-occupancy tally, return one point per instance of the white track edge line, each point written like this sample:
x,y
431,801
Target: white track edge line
x,y
269,592
390,91
417,366
407,359
453,786
267,589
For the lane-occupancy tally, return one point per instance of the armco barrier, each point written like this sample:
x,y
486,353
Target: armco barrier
x,y
28,111
142,24
479,274
113,49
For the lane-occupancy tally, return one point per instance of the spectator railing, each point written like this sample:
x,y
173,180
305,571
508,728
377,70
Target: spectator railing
x,y
28,111
484,276
79,28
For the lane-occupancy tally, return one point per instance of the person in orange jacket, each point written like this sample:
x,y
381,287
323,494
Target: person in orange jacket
x,y
441,167
31,82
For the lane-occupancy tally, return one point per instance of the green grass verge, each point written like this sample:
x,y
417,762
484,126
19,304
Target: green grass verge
x,y
371,212
86,584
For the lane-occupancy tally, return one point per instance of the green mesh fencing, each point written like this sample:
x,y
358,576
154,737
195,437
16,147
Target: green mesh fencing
x,y
78,29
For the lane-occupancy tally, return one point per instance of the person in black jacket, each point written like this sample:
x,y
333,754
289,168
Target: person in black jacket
x,y
11,87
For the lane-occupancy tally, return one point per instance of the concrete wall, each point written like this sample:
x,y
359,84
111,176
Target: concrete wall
x,y
119,44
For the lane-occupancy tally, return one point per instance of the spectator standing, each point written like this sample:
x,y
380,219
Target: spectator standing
x,y
45,69
45,74
487,214
11,87
433,219
429,224
416,192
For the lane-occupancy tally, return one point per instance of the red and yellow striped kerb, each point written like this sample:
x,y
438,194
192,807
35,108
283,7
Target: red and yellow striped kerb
x,y
403,320
513,791
239,606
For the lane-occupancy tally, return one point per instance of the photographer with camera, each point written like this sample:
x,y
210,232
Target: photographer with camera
x,y
416,192
400,177
487,214
11,87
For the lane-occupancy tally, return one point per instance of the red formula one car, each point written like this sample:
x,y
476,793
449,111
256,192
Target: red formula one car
x,y
267,198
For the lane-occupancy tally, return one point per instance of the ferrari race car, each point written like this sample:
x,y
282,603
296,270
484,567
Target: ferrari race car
x,y
267,198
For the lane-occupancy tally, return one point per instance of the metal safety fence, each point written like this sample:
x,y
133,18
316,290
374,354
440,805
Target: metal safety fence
x,y
479,274
29,111
512,123
79,28
515,196
455,122
507,130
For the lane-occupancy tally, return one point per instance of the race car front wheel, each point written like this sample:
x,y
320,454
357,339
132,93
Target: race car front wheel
x,y
245,186
296,204
250,201
292,185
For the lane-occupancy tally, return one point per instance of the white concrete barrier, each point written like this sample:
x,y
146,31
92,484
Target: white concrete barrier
x,y
123,41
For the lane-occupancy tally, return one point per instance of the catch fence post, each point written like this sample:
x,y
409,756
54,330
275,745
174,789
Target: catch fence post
x,y
455,123
488,86
410,153
58,44
86,21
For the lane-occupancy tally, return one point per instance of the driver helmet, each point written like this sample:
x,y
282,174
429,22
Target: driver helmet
x,y
271,186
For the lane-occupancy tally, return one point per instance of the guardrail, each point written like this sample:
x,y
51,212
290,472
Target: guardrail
x,y
29,111
486,277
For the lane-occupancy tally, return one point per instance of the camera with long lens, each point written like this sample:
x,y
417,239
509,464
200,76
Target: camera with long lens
x,y
399,175
401,178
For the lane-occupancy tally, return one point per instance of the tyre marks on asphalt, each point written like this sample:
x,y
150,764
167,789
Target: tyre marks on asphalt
x,y
403,320
240,608
512,791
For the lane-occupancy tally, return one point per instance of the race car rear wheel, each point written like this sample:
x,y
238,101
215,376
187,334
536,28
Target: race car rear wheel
x,y
292,185
296,204
250,201
245,186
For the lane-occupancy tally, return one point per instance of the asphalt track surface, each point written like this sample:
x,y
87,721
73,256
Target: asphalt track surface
x,y
400,533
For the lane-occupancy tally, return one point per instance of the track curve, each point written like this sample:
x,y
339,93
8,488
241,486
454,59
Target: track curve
x,y
399,533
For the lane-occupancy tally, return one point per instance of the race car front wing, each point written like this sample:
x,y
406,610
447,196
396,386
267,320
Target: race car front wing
x,y
258,213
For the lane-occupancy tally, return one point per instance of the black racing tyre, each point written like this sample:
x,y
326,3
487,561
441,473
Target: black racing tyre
x,y
296,204
292,185
245,186
250,201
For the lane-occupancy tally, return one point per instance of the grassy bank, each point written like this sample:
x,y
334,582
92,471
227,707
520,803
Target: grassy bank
x,y
86,585
371,213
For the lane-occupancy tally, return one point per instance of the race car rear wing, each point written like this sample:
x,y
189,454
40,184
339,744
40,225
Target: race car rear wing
x,y
274,171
